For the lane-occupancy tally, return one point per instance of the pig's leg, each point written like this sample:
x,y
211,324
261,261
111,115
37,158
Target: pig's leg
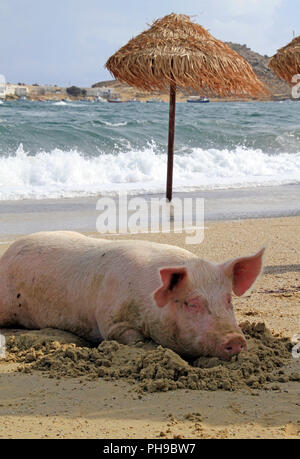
x,y
119,317
124,333
131,337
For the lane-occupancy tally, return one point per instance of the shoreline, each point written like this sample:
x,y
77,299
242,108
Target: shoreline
x,y
163,99
33,215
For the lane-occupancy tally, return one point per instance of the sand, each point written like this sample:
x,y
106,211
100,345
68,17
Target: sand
x,y
151,367
53,385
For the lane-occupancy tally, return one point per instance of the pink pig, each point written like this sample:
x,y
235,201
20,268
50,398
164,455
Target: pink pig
x,y
126,291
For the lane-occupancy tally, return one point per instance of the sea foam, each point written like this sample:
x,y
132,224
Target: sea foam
x,y
58,173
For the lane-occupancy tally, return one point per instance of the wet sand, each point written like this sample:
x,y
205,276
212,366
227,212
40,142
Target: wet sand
x,y
35,406
80,214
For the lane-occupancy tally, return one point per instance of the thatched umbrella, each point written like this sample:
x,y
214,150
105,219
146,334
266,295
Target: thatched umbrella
x,y
286,63
177,52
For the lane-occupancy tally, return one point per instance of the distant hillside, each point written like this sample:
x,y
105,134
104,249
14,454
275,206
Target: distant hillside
x,y
278,88
259,64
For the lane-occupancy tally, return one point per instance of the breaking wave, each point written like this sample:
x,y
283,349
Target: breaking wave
x,y
58,173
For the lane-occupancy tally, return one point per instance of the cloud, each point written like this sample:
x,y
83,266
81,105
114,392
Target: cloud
x,y
245,7
248,22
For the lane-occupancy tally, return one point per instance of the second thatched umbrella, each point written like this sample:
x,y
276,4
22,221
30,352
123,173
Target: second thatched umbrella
x,y
177,52
286,63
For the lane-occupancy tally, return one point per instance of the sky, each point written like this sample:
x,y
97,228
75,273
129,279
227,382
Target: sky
x,y
67,42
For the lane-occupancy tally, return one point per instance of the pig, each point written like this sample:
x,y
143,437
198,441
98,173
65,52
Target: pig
x,y
125,290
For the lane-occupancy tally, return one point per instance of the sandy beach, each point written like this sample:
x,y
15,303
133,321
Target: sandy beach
x,y
171,123
32,405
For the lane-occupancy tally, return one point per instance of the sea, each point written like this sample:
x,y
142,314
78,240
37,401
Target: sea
x,y
78,149
58,158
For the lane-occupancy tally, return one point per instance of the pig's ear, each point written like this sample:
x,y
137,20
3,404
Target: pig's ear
x,y
244,271
172,280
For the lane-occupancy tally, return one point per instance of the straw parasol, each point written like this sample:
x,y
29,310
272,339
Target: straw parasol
x,y
175,51
286,63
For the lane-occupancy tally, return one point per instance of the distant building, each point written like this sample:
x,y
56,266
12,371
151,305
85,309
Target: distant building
x,y
10,89
41,90
50,88
98,92
106,92
37,91
21,91
2,87
92,92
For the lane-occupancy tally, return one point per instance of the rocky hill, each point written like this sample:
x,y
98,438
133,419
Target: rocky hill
x,y
259,63
278,88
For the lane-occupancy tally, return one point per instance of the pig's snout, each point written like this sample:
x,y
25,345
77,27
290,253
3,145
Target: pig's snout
x,y
233,345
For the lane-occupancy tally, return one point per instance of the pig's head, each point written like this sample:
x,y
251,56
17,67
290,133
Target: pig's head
x,y
196,305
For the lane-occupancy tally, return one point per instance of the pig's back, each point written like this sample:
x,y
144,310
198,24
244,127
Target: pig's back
x,y
57,276
48,278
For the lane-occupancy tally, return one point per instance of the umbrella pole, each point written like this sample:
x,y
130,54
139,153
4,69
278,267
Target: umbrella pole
x,y
171,142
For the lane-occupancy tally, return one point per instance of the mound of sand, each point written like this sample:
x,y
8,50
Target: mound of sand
x,y
151,367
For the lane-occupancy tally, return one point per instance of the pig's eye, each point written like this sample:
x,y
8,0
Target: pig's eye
x,y
190,305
